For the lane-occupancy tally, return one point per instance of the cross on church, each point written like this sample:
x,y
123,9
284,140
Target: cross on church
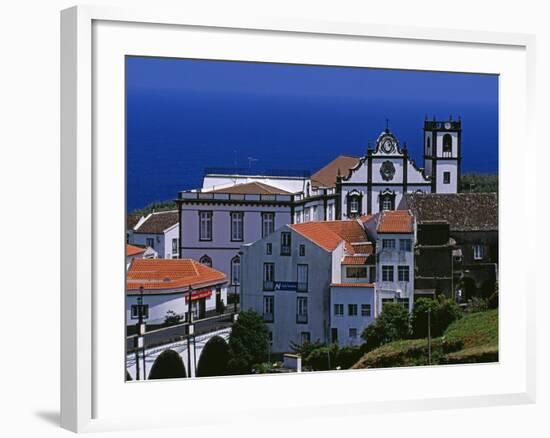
x,y
387,123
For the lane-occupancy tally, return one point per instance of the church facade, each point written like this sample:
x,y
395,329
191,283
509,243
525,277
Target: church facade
x,y
380,179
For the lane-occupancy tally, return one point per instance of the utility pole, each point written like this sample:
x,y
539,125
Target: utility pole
x,y
429,335
189,331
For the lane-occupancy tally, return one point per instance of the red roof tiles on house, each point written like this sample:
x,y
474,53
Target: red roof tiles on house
x,y
132,250
395,221
252,188
358,260
156,275
328,234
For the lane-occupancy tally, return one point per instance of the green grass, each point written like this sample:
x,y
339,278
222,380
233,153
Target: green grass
x,y
471,339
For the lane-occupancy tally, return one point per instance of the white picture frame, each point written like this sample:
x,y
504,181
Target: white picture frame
x,y
88,395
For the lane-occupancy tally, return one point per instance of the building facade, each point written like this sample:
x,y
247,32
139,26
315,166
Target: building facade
x,y
159,231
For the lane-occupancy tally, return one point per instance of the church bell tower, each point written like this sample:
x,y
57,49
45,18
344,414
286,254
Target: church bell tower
x,y
442,154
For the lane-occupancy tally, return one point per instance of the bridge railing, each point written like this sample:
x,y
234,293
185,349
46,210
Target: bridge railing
x,y
178,332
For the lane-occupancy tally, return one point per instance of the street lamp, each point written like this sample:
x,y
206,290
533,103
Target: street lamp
x,y
190,331
140,344
429,336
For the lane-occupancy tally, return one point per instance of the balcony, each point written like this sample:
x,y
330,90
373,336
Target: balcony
x,y
301,287
268,317
269,285
285,250
301,319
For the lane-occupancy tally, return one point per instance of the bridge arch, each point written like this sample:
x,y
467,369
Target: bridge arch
x,y
168,365
213,358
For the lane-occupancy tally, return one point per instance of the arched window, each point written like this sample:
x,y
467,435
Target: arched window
x,y
205,260
236,270
447,145
428,146
354,204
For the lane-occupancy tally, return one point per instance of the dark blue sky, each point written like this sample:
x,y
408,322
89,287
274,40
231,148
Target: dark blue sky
x,y
185,115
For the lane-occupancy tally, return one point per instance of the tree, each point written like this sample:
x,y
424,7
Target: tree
x,y
444,311
391,324
248,342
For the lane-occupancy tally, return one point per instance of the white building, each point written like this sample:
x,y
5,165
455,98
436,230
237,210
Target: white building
x,y
215,223
296,275
165,286
394,235
159,231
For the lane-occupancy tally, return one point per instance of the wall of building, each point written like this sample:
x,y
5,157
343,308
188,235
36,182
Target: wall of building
x,y
289,184
159,242
284,327
343,323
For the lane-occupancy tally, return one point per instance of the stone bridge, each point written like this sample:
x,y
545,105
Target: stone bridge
x,y
170,353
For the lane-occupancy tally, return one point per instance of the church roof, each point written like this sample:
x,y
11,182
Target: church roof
x,y
326,176
463,211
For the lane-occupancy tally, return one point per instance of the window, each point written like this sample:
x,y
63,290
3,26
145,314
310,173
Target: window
x,y
352,332
334,335
403,273
268,248
150,241
302,278
237,226
305,337
387,204
447,145
372,274
236,270
405,245
387,273
269,276
478,251
269,308
302,250
365,310
388,243
356,272
135,308
352,309
339,310
175,249
205,225
205,260
386,301
268,224
286,241
428,146
301,310
314,213
270,337
306,215
446,177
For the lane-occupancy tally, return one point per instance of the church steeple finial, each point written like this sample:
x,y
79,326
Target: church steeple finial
x,y
387,125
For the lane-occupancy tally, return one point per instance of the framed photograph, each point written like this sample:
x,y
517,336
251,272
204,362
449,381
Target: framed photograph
x,y
316,217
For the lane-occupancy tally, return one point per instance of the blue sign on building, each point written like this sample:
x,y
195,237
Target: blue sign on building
x,y
286,285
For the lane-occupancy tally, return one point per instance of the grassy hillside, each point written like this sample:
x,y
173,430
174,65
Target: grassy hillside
x,y
471,339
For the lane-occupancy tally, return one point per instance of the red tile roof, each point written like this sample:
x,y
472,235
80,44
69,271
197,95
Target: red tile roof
x,y
132,250
326,177
366,217
157,275
352,285
362,248
328,234
252,188
358,260
395,221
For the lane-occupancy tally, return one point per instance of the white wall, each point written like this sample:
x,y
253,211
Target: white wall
x,y
346,296
292,185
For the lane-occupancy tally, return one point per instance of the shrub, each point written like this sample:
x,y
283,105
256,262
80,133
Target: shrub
x,y
391,324
172,318
476,304
331,356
